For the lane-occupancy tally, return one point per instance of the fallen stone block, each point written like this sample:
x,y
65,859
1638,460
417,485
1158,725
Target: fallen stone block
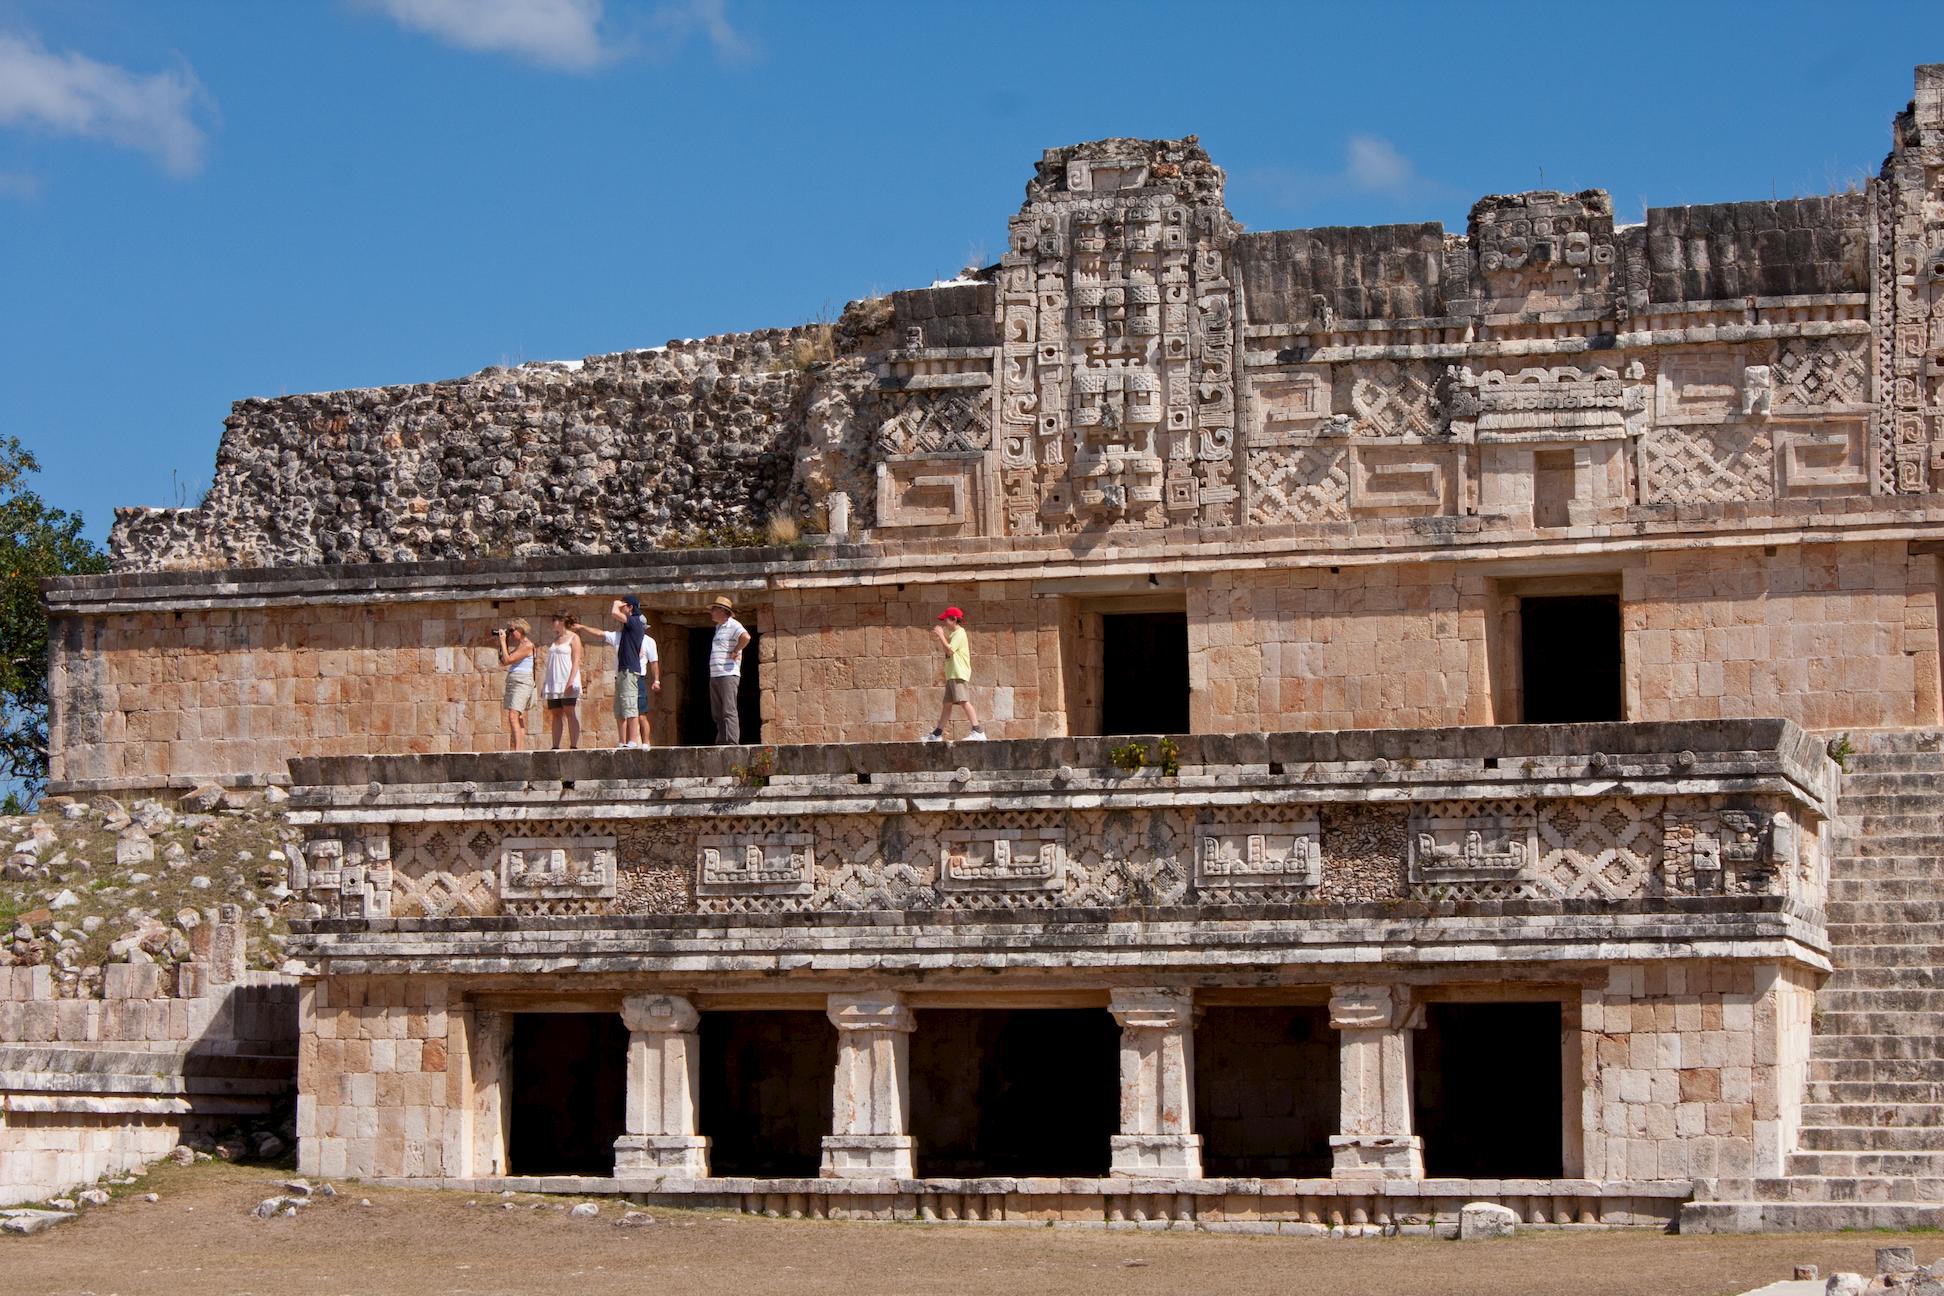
x,y
1481,1221
25,1222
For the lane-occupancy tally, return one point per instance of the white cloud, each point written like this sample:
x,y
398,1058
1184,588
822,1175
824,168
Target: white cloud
x,y
566,35
15,184
71,94
562,34
683,18
1372,167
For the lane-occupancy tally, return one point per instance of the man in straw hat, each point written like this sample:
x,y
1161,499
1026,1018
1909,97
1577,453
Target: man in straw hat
x,y
725,669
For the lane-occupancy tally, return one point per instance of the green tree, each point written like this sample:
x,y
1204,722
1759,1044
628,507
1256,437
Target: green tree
x,y
37,541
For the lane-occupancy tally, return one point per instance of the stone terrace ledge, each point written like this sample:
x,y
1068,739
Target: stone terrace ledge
x,y
1175,554
1528,843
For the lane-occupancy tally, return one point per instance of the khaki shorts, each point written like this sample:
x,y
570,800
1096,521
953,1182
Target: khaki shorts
x,y
958,691
627,694
519,692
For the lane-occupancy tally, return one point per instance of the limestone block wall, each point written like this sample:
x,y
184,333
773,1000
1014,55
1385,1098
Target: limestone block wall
x,y
90,1087
1352,648
384,1080
861,665
1694,1070
1830,635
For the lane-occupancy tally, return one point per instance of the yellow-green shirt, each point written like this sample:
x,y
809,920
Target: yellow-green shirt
x,y
959,666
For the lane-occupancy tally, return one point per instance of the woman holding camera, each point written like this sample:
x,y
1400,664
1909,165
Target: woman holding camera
x,y
563,680
516,654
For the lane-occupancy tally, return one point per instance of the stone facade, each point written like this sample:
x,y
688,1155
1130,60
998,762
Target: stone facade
x,y
90,1087
1506,596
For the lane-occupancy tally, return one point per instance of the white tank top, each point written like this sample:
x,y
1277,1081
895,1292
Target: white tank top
x,y
523,668
561,680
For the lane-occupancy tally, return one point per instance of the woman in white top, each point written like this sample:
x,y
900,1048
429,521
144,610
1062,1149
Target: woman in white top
x,y
516,654
563,681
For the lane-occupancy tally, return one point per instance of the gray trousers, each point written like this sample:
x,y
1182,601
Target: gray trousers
x,y
722,705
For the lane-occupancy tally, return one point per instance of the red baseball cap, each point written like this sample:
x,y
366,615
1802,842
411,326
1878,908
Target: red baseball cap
x,y
951,614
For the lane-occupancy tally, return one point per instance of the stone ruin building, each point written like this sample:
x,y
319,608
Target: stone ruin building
x,y
1545,616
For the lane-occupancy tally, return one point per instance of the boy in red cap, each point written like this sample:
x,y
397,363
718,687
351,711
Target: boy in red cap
x,y
958,675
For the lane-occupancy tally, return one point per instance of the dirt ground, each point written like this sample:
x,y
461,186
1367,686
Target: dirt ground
x,y
200,1239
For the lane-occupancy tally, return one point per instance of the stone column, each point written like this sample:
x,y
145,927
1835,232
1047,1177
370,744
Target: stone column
x,y
870,1101
1157,1093
1376,1140
664,1066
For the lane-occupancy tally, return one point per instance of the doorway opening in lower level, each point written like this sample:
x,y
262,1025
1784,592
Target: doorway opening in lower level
x,y
569,1087
1014,1092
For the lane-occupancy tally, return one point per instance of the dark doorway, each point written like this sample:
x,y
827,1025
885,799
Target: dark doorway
x,y
695,726
569,1093
1144,673
1266,1091
1014,1091
1488,1089
765,1099
1569,651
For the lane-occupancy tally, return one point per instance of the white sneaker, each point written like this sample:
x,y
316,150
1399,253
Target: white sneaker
x,y
934,736
977,735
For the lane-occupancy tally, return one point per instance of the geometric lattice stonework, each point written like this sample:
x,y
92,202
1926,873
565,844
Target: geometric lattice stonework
x,y
1602,849
1298,484
1814,373
1722,463
1240,856
575,868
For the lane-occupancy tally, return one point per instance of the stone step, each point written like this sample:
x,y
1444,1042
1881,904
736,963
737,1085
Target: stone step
x,y
1846,913
1878,1048
1887,807
1871,1138
1825,1188
1883,783
1922,1094
1913,1165
1888,867
1875,1025
1930,934
1863,982
1869,1115
1862,955
1808,1217
1835,998
1897,823
1835,1070
1876,744
1929,889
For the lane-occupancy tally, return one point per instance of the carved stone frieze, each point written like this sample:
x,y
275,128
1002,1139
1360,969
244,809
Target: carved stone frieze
x,y
759,864
575,868
1002,859
1246,856
1485,842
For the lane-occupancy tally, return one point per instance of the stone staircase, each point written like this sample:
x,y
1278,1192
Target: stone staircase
x,y
1870,1152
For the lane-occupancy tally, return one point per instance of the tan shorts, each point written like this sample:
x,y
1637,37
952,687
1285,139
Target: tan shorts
x,y
958,691
519,692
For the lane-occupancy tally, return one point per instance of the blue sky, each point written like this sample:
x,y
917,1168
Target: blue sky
x,y
202,200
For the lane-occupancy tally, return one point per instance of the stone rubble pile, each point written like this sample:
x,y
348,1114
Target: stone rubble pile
x,y
1898,1274
89,886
